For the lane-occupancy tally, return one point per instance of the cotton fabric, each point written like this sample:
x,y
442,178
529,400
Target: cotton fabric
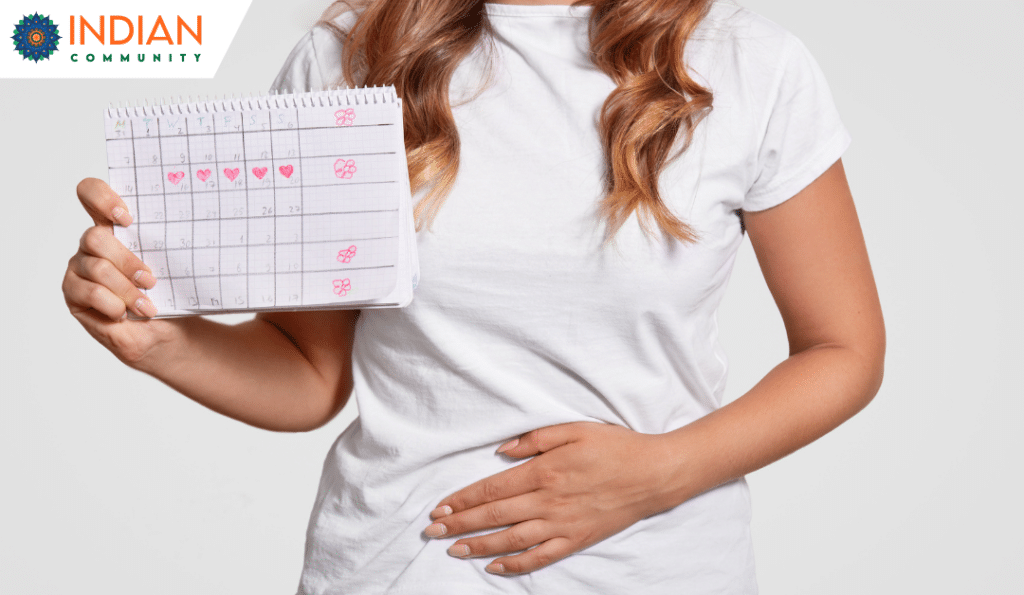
x,y
522,319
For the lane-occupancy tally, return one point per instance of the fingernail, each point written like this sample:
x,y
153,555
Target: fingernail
x,y
144,307
435,530
440,511
508,445
144,278
459,550
495,568
121,216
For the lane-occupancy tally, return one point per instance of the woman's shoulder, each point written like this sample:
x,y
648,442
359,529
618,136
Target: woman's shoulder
x,y
315,61
746,35
740,52
731,20
333,26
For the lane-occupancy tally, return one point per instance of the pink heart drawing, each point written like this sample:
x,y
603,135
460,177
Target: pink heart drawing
x,y
342,286
347,254
345,169
231,173
286,170
176,176
259,172
203,174
344,117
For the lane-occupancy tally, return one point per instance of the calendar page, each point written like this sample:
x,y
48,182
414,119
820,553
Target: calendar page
x,y
279,202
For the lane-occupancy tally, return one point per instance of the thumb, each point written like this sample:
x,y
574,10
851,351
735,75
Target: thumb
x,y
103,204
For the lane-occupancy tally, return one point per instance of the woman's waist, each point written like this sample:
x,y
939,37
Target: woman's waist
x,y
374,505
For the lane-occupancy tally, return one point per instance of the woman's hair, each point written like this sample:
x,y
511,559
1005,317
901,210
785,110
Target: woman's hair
x,y
416,45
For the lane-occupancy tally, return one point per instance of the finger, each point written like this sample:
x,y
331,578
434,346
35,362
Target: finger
x,y
511,482
102,203
486,516
82,294
102,272
100,242
514,539
543,555
541,440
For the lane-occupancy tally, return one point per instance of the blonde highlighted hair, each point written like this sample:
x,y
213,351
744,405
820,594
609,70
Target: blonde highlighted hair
x,y
416,45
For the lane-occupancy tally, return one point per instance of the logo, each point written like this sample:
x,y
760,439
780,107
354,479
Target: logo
x,y
35,37
130,40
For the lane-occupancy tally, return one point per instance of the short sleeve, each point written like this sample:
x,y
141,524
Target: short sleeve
x,y
803,134
301,70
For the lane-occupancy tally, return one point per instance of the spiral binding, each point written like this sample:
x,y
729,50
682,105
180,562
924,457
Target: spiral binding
x,y
332,96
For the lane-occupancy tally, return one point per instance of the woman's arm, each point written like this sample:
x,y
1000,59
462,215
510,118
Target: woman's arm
x,y
281,371
285,371
588,481
811,251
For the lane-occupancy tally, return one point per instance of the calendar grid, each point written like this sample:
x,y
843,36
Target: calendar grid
x,y
248,220
163,187
325,229
302,213
135,174
309,242
273,181
368,268
297,215
307,186
220,223
192,200
368,154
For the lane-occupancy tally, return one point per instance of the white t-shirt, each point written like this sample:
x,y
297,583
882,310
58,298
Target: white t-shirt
x,y
521,319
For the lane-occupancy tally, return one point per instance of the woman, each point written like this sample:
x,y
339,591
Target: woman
x,y
545,417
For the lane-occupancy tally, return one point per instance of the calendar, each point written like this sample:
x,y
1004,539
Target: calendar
x,y
279,202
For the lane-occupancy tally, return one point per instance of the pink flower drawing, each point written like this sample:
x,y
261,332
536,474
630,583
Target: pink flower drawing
x,y
347,254
342,287
345,168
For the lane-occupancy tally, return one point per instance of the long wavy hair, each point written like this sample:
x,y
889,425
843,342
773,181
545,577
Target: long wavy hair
x,y
416,45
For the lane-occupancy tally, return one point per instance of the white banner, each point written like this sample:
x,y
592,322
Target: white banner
x,y
117,39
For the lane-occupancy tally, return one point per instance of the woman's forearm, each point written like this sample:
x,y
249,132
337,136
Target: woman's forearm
x,y
250,372
803,398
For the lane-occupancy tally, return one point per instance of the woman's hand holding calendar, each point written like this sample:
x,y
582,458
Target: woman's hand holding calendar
x,y
104,278
256,372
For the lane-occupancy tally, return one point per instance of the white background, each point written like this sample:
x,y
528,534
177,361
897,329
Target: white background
x,y
114,484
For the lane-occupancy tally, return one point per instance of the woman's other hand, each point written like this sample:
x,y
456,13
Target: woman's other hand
x,y
588,481
103,280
